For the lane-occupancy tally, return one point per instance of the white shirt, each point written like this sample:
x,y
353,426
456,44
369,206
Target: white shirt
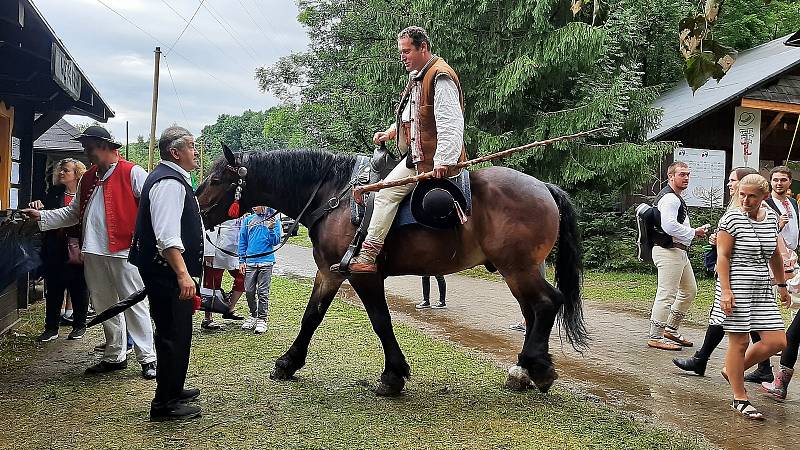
x,y
790,231
448,115
94,228
226,237
681,233
166,208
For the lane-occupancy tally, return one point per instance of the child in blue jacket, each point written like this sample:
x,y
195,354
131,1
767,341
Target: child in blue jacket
x,y
260,232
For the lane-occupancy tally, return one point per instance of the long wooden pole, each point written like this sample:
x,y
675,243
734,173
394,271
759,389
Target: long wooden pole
x,y
360,190
154,111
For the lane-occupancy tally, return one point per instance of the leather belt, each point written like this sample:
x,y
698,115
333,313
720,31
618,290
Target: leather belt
x,y
680,246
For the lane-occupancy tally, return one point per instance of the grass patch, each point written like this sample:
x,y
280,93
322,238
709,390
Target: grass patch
x,y
455,399
302,238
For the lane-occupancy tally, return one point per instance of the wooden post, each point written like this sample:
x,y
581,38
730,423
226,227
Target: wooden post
x,y
154,111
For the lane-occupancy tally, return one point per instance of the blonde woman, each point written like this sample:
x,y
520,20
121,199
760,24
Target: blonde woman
x,y
59,274
744,302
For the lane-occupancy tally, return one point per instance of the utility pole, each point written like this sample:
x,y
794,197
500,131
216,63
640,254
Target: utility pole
x,y
127,140
154,111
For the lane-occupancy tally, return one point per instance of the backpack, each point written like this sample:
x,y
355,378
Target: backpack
x,y
648,224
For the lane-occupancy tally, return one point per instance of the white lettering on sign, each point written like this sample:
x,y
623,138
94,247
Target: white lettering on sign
x,y
65,73
746,137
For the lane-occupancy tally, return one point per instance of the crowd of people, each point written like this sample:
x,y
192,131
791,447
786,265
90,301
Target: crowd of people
x,y
754,247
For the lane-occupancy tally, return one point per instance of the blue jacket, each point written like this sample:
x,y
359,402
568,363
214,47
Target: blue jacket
x,y
256,237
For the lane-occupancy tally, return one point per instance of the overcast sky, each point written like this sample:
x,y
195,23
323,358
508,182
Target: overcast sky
x,y
213,68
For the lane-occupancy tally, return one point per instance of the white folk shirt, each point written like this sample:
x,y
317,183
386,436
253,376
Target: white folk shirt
x,y
226,237
94,228
681,233
166,208
448,115
790,232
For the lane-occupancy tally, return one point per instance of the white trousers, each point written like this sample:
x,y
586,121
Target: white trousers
x,y
110,280
677,287
386,203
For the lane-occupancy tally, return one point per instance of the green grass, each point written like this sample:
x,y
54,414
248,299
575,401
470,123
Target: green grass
x,y
302,238
454,400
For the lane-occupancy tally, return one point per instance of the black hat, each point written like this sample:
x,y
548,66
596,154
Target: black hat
x,y
97,132
432,203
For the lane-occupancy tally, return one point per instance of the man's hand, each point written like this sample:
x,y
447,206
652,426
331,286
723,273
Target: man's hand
x,y
440,171
31,213
242,268
208,261
702,231
782,221
271,223
383,136
36,204
186,286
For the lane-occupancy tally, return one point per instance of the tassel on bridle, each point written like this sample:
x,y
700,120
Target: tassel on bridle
x,y
233,211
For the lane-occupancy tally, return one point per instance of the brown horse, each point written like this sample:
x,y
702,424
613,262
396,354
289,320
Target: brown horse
x,y
515,222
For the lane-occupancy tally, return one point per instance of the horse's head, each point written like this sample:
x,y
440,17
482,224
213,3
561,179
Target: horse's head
x,y
224,184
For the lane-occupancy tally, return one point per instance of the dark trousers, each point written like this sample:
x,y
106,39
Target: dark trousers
x,y
65,278
426,288
714,335
789,355
172,337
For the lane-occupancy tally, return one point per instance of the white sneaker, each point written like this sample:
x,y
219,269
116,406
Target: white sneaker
x,y
249,323
261,326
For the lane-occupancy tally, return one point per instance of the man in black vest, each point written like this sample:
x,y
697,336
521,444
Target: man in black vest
x,y
168,250
676,283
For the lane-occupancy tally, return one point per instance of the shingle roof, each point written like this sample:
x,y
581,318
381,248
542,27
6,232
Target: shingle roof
x,y
785,90
754,68
58,138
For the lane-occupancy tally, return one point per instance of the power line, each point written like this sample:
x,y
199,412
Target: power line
x,y
228,29
260,28
184,28
260,11
178,97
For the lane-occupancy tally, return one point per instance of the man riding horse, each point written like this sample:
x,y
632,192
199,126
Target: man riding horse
x,y
429,130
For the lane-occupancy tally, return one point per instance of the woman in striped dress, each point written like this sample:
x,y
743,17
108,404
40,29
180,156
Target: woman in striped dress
x,y
744,302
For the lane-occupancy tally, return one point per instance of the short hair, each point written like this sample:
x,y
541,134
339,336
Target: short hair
x,y
780,169
756,180
80,168
742,172
672,167
172,137
418,35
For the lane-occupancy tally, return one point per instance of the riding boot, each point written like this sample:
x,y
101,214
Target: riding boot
x,y
694,364
671,330
777,389
365,261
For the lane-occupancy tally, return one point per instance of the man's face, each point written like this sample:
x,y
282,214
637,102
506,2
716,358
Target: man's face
x,y
96,151
780,182
680,179
186,156
413,58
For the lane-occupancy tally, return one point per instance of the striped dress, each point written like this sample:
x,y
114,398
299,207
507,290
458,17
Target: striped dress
x,y
754,305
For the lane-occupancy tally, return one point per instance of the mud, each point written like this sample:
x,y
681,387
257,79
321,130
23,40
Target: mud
x,y
618,369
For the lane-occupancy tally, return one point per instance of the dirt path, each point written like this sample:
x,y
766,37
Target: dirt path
x,y
618,369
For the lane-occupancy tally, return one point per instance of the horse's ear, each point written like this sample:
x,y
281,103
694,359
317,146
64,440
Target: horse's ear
x,y
229,156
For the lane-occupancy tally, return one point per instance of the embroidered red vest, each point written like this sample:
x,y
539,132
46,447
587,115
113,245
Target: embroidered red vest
x,y
120,203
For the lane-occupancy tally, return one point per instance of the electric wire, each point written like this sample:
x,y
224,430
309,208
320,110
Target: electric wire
x,y
184,28
260,28
177,96
228,29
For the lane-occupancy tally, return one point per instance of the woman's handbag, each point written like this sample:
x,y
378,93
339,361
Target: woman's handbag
x,y
74,255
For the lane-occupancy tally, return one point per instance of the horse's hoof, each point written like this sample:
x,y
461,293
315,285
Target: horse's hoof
x,y
546,382
518,379
281,374
387,390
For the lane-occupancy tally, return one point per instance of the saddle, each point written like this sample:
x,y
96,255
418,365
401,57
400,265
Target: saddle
x,y
439,203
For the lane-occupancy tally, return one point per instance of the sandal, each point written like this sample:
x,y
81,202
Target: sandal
x,y
747,410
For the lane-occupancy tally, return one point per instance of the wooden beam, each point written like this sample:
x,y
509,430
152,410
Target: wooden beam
x,y
771,126
771,106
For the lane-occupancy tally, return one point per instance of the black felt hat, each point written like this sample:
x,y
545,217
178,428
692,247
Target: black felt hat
x,y
432,203
97,132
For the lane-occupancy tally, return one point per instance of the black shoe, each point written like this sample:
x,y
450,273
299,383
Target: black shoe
x,y
105,366
189,395
76,333
692,364
179,411
66,321
210,325
232,316
760,376
48,335
149,371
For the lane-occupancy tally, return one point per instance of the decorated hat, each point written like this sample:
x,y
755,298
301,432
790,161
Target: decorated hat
x,y
433,203
97,132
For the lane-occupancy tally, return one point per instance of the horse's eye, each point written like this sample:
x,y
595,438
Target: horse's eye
x,y
214,181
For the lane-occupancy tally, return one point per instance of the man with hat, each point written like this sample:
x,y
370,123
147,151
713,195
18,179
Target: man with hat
x,y
429,129
168,250
108,198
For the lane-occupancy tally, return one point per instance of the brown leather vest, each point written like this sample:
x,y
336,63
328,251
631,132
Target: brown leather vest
x,y
427,121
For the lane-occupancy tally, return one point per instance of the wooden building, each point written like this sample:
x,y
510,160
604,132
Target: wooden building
x,y
39,83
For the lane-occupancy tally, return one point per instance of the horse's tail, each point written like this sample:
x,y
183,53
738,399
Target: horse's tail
x,y
569,270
